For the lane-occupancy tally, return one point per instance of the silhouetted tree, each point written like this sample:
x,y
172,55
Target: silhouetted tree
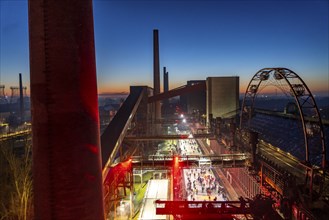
x,y
17,184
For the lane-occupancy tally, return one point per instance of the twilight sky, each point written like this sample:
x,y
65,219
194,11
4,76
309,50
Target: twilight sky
x,y
197,39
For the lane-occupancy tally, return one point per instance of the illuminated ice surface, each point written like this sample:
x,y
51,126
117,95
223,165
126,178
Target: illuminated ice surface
x,y
156,189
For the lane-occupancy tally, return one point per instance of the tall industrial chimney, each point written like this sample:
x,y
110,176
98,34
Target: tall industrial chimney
x,y
165,89
165,80
67,175
156,72
21,98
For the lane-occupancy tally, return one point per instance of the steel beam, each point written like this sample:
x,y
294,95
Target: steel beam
x,y
168,137
178,91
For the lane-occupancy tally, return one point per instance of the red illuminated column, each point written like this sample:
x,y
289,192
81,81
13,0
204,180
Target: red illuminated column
x,y
65,126
176,179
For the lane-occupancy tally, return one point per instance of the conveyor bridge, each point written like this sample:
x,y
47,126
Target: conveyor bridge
x,y
169,137
165,162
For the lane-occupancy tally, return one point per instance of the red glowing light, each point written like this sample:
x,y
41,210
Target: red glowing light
x,y
183,136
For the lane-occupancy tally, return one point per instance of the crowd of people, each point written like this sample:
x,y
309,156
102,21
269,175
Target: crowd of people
x,y
188,147
201,184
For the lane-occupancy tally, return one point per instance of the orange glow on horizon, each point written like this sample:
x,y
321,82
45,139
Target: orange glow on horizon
x,y
314,88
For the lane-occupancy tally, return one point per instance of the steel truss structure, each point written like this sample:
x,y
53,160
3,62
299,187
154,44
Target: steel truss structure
x,y
258,208
291,85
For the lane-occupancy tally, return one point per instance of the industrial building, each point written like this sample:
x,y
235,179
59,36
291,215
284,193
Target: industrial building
x,y
222,96
79,173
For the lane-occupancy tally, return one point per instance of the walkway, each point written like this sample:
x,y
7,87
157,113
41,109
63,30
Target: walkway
x,y
156,189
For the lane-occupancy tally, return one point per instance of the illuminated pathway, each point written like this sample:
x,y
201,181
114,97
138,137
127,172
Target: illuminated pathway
x,y
200,183
156,189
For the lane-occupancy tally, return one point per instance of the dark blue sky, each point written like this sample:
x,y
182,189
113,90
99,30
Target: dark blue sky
x,y
197,39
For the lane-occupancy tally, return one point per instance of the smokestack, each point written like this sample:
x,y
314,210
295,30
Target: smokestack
x,y
21,98
165,80
156,62
165,89
156,72
67,174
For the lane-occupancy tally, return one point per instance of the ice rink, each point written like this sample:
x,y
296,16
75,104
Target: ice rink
x,y
156,189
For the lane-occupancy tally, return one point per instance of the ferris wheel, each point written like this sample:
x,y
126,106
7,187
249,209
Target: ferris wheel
x,y
290,84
